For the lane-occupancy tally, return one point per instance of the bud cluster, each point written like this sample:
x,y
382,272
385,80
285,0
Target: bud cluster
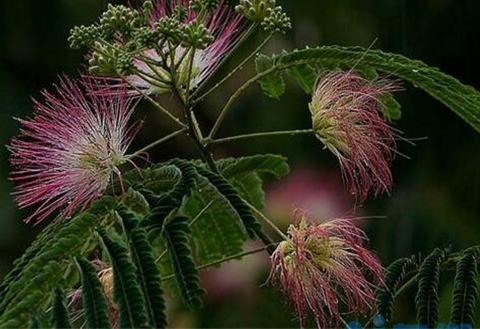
x,y
199,5
276,21
123,31
255,10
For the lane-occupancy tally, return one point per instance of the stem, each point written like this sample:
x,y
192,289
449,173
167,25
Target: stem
x,y
200,214
223,260
267,220
157,105
157,142
239,67
262,134
234,97
249,32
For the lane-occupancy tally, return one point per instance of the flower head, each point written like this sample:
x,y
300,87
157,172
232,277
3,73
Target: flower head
x,y
323,265
347,118
223,28
67,154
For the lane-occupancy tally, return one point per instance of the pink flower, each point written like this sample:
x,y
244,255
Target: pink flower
x,y
67,154
321,266
153,77
347,118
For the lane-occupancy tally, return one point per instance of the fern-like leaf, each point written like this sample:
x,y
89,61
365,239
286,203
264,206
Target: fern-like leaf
x,y
94,304
177,237
217,230
60,316
427,299
250,222
395,275
465,291
147,273
462,99
127,290
165,204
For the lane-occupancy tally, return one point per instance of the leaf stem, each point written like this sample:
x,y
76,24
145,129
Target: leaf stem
x,y
157,142
223,260
239,67
261,134
268,221
157,105
247,34
234,97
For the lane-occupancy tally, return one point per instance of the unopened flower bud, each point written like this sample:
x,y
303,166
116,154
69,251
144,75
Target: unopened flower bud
x,y
276,21
255,10
196,36
83,36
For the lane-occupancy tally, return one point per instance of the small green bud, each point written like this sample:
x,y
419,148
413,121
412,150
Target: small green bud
x,y
169,28
120,19
108,60
124,63
83,36
276,21
146,37
196,36
199,5
255,10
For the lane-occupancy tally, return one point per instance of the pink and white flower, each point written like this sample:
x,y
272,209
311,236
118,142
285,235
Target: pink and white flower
x,y
322,266
347,119
224,25
67,154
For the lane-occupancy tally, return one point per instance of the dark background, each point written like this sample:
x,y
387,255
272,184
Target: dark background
x,y
436,198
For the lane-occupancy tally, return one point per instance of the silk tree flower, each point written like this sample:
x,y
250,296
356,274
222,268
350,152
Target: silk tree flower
x,y
67,154
222,23
321,266
347,119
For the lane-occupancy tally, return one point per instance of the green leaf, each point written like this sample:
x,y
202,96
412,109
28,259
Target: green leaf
x,y
217,230
159,178
37,279
465,291
127,290
166,204
250,188
272,85
148,274
94,304
395,275
427,299
392,110
60,316
273,164
460,98
250,222
177,237
305,75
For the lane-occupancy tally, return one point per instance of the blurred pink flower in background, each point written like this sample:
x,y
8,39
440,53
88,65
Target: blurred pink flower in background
x,y
310,188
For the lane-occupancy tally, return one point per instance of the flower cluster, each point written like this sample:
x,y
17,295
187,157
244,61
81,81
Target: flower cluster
x,y
321,266
347,118
67,154
170,44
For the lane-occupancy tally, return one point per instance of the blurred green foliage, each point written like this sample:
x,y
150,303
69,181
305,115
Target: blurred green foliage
x,y
436,199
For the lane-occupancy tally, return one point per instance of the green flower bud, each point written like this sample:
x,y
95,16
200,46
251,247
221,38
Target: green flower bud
x,y
146,37
199,5
276,21
255,10
83,36
196,36
169,28
120,19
